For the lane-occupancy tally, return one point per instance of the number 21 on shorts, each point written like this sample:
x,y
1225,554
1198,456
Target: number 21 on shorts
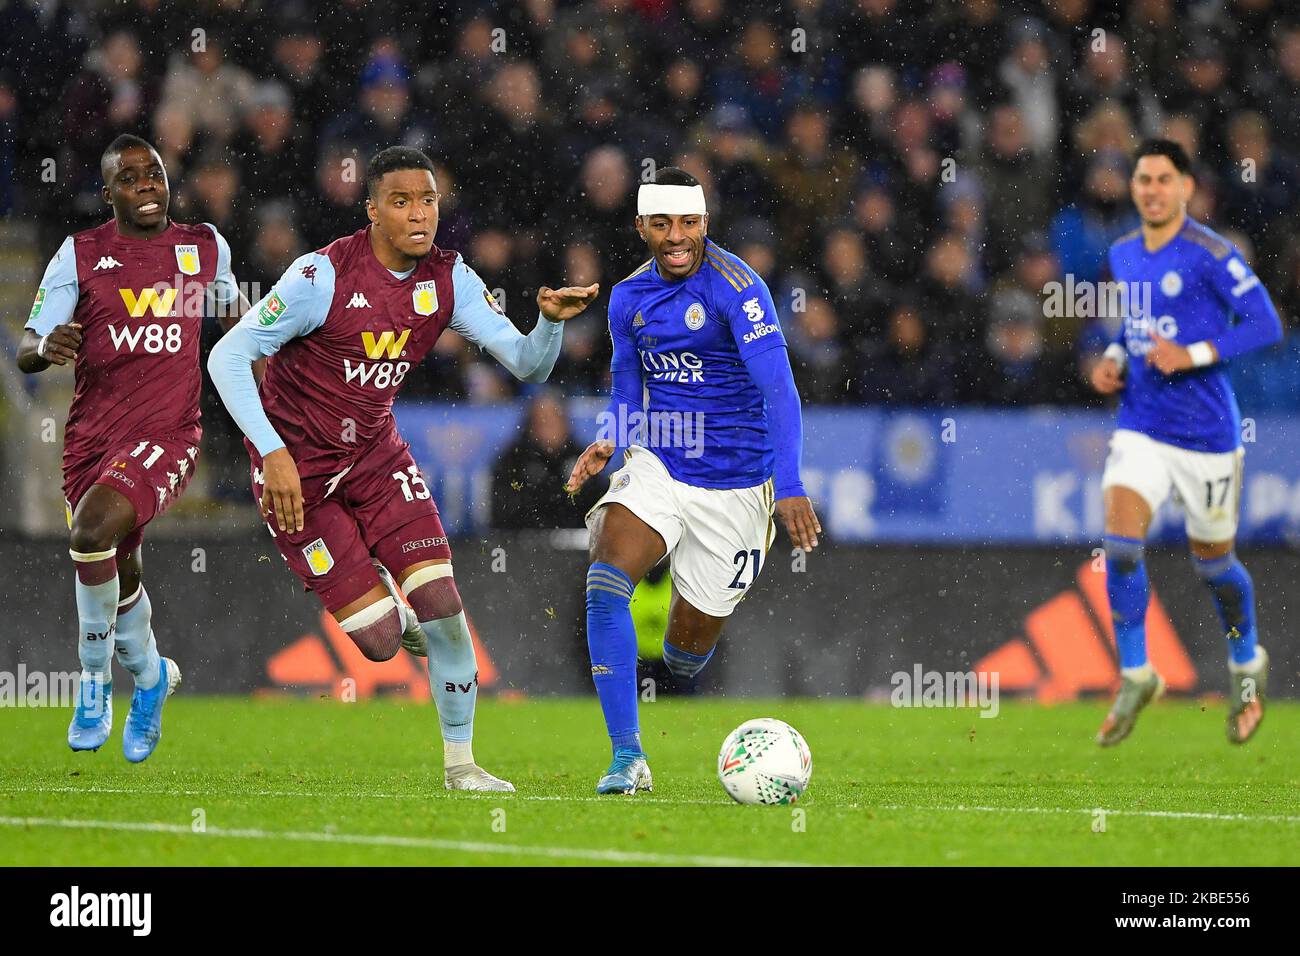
x,y
752,559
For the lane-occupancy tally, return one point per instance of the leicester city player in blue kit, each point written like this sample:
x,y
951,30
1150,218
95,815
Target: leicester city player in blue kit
x,y
1179,430
718,455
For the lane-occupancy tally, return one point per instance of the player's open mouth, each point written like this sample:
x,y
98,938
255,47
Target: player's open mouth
x,y
147,208
417,236
678,257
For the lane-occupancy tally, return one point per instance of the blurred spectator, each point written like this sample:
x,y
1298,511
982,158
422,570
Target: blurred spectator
x,y
528,479
1018,180
1028,74
906,367
819,360
813,176
204,97
269,147
1082,232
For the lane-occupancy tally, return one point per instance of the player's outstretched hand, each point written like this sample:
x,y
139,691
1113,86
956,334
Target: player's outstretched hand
x,y
800,521
1106,377
282,491
561,304
60,346
589,464
1168,356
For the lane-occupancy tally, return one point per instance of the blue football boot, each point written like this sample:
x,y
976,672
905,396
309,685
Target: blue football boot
x,y
144,722
627,774
92,718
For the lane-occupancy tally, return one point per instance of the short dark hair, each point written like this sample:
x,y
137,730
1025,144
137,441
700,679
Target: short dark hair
x,y
672,176
392,159
121,144
1172,151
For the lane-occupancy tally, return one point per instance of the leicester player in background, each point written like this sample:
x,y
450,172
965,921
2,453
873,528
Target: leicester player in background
x,y
696,328
1179,430
124,303
341,494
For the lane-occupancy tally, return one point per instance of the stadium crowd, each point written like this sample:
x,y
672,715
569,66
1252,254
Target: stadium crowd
x,y
907,176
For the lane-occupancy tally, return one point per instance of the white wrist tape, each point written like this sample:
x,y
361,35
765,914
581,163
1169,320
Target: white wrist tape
x,y
1201,353
40,346
653,199
1117,352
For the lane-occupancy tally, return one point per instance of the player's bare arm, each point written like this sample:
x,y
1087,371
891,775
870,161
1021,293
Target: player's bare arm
x,y
36,353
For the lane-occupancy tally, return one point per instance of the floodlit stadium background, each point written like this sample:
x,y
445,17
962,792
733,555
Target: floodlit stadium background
x,y
909,178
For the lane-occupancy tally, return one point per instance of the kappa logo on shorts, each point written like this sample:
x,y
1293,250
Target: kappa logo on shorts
x,y
422,543
318,557
621,482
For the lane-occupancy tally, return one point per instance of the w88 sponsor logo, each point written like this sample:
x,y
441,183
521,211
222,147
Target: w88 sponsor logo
x,y
379,374
152,338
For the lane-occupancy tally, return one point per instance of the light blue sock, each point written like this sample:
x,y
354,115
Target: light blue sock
x,y
1234,597
611,641
136,648
96,612
453,675
1129,592
683,664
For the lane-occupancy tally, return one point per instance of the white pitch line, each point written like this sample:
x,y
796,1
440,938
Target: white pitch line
x,y
666,801
1159,814
416,843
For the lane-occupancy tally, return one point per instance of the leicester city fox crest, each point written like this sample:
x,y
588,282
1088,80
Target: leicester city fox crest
x,y
425,298
187,259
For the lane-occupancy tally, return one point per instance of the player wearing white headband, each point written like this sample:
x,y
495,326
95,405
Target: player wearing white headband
x,y
707,465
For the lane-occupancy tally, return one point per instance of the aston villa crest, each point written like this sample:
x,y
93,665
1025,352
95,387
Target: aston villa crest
x,y
187,259
425,298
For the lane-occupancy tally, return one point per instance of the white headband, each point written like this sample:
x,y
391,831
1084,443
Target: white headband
x,y
653,199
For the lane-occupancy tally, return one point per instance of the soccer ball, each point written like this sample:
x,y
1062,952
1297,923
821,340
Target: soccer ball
x,y
764,761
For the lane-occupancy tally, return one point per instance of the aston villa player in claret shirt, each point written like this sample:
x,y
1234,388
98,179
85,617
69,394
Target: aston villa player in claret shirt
x,y
124,304
342,495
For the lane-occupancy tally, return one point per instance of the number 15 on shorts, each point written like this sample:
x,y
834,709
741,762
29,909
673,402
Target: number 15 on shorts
x,y
752,560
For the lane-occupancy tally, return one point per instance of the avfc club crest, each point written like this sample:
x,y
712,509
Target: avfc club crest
x,y
187,259
425,298
318,557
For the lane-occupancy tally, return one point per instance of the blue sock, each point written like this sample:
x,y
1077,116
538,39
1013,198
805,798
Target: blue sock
x,y
611,641
1234,597
683,664
136,648
453,675
1129,593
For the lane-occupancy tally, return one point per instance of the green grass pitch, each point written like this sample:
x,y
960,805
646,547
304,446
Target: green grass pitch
x,y
308,782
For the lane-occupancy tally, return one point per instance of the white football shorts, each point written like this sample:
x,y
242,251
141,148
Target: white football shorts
x,y
1207,485
717,537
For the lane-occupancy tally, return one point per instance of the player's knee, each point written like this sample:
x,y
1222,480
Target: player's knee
x,y
432,593
92,533
1124,554
376,630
